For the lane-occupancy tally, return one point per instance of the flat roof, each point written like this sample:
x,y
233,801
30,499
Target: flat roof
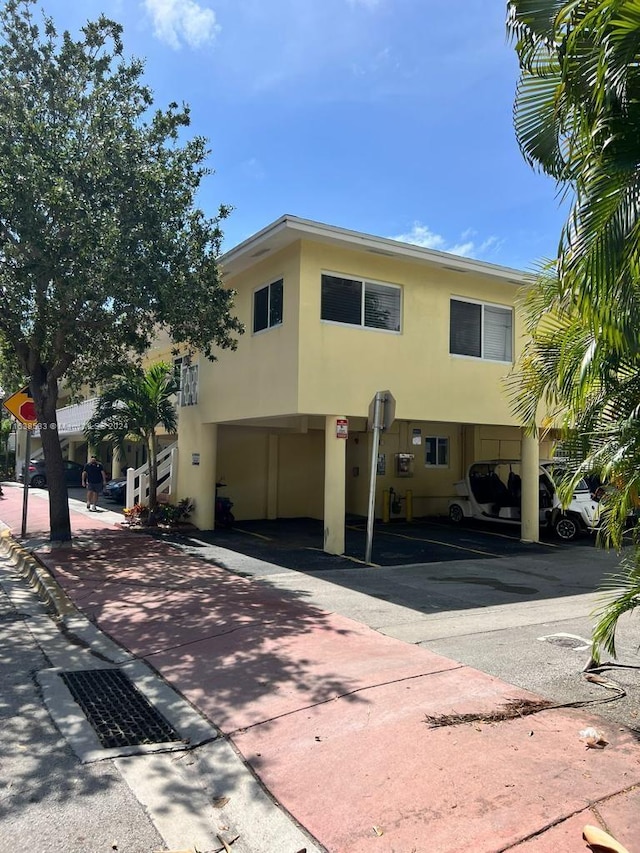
x,y
288,229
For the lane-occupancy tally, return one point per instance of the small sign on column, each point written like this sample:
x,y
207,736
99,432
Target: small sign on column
x,y
342,428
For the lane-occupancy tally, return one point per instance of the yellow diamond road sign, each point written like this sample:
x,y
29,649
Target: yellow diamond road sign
x,y
22,407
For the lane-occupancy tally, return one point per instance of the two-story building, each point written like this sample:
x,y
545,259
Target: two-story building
x,y
332,316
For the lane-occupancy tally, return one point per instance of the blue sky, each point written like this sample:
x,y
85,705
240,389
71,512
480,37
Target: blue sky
x,y
392,117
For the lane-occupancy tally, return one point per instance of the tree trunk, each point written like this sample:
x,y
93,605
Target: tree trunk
x,y
45,395
152,451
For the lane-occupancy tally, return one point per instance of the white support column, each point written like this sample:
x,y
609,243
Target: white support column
x,y
173,475
335,460
130,498
530,530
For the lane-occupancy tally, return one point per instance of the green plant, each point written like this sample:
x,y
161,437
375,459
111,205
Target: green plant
x,y
175,513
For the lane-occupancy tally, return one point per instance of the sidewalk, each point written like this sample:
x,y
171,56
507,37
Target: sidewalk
x,y
331,714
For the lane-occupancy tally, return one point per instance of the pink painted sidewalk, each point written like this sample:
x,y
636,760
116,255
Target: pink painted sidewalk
x,y
331,715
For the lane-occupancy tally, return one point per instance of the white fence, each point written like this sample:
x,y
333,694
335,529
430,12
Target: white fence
x,y
138,478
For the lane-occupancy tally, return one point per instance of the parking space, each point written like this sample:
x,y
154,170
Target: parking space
x,y
297,543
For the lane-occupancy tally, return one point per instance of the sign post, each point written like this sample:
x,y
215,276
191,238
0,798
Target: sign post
x,y
23,409
382,412
25,475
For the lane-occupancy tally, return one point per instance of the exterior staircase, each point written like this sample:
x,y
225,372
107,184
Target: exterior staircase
x,y
138,478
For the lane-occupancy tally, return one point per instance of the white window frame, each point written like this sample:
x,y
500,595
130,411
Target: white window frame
x,y
267,287
364,282
438,439
483,304
189,385
178,363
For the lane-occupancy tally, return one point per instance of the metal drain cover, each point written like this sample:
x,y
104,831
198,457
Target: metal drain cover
x,y
118,712
567,641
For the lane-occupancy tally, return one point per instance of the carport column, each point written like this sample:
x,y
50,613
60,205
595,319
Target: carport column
x,y
205,475
530,530
272,477
335,461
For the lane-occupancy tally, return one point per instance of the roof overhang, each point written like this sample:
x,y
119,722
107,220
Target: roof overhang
x,y
289,229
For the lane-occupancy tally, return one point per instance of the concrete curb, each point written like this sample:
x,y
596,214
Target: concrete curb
x,y
38,577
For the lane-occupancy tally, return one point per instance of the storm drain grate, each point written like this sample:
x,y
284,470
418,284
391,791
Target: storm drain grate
x,y
117,711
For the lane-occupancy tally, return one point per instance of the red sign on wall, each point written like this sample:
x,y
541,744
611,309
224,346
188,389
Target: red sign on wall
x,y
342,428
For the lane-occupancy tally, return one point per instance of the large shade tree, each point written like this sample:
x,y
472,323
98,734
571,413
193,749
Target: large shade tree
x,y
131,407
101,242
577,118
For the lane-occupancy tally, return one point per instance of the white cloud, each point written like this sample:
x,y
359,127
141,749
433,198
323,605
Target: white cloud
x,y
421,235
253,169
182,21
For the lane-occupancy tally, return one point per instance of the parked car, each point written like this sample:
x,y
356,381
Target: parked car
x,y
491,491
38,474
116,490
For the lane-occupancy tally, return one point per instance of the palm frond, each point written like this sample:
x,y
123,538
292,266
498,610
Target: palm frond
x,y
621,594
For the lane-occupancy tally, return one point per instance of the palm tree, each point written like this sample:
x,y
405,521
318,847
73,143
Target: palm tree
x,y
577,118
131,407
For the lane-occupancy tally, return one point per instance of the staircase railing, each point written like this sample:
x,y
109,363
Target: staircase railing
x,y
138,478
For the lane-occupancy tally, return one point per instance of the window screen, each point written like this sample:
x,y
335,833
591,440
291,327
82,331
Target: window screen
x,y
465,334
497,333
382,307
341,300
275,303
360,303
267,306
261,309
481,331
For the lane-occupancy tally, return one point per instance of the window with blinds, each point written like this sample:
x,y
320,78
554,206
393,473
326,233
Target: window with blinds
x,y
267,306
358,302
480,330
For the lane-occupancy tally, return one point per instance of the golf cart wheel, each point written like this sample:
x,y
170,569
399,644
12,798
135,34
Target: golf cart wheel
x,y
38,482
566,528
456,514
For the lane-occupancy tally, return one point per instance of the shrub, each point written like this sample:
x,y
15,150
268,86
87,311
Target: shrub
x,y
174,513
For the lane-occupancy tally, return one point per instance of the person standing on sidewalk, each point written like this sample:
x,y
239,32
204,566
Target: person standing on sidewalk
x,y
93,478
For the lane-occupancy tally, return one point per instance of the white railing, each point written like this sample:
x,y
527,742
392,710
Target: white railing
x,y
38,453
73,419
138,478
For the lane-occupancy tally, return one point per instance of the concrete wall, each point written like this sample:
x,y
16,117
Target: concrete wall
x,y
341,367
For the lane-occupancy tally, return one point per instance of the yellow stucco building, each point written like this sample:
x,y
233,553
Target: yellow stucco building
x,y
333,316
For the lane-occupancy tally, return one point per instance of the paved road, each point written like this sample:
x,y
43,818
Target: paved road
x,y
525,618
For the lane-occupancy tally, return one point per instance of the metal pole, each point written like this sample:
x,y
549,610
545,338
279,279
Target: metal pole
x,y
25,477
375,444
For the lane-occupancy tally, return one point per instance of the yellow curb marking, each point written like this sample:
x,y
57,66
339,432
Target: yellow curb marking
x,y
251,533
450,544
344,557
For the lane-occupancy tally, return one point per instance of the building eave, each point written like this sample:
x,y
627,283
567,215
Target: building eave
x,y
289,229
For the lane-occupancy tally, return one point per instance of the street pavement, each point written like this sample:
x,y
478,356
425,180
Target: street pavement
x,y
321,684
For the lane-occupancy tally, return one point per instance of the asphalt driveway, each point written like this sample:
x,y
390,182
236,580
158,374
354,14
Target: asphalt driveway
x,y
297,543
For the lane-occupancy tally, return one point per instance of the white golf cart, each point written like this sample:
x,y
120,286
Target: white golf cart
x,y
491,491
